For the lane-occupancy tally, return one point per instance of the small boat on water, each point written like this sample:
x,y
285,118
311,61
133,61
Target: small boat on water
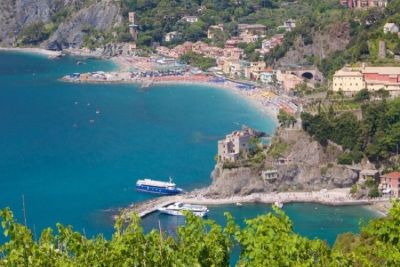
x,y
278,204
178,208
158,187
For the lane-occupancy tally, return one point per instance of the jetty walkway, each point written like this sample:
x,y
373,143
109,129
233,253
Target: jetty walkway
x,y
333,197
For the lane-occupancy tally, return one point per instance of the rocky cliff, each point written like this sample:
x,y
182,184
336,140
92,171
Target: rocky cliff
x,y
323,43
304,165
101,16
65,21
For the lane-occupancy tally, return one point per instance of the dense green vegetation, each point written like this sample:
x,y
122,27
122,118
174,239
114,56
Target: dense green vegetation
x,y
157,17
285,119
278,148
376,136
40,31
366,32
268,240
35,33
198,60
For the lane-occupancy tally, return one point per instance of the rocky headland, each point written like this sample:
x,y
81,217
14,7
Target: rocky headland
x,y
306,172
301,163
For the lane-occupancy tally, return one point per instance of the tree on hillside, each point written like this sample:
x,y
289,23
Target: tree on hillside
x,y
285,119
362,95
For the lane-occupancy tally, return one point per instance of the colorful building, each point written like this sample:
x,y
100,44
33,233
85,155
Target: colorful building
x,y
390,183
352,80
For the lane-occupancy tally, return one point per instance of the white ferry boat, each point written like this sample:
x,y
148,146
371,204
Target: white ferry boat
x,y
178,208
158,187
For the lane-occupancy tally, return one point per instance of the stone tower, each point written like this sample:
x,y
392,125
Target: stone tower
x,y
382,49
133,27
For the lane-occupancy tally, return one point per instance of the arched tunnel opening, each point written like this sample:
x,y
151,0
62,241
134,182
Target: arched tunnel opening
x,y
307,75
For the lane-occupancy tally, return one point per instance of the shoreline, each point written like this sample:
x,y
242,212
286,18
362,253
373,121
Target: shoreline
x,y
32,50
333,197
269,109
339,199
122,64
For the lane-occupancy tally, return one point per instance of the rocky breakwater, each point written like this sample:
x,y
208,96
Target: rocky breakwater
x,y
293,162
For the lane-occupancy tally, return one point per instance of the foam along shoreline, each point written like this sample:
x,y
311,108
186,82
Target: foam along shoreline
x,y
269,109
333,197
254,97
32,50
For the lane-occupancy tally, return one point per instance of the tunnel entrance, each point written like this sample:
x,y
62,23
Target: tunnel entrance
x,y
307,75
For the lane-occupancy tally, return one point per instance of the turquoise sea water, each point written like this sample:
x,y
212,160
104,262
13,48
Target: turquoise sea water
x,y
74,151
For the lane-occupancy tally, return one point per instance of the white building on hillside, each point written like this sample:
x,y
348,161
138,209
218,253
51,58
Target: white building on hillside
x,y
171,36
390,27
190,19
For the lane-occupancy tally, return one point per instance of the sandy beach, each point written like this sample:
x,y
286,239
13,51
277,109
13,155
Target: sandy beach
x,y
262,99
33,50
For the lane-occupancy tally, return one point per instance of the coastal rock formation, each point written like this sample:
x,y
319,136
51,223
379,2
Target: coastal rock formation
x,y
304,165
66,20
118,49
101,16
15,15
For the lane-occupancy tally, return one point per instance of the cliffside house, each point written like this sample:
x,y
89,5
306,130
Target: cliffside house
x,y
351,80
288,25
235,145
390,183
288,80
363,3
368,174
252,29
269,175
282,160
171,36
390,27
214,30
190,19
268,44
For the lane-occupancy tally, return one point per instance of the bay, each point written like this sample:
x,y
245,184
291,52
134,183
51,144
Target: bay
x,y
75,151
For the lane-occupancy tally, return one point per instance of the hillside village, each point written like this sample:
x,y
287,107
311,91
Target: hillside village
x,y
247,55
326,71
